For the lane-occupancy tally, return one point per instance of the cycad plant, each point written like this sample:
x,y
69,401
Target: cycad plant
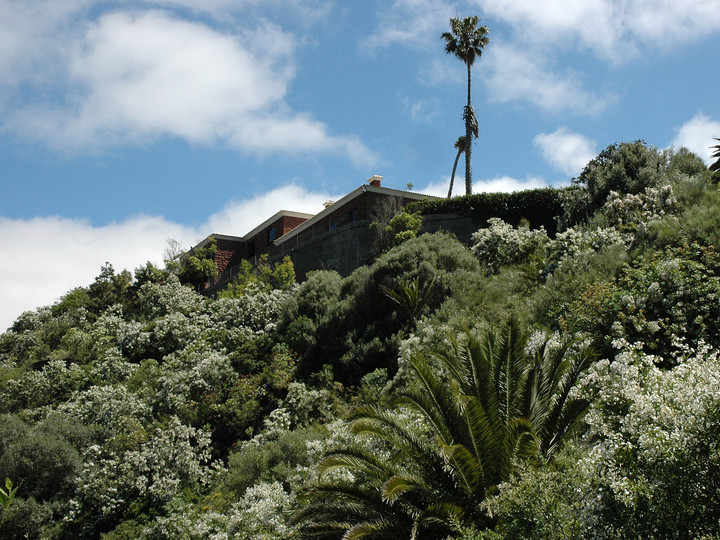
x,y
465,419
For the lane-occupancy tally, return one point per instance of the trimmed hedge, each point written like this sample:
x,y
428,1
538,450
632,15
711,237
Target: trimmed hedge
x,y
539,207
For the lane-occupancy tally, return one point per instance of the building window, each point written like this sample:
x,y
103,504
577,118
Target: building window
x,y
353,216
272,234
333,225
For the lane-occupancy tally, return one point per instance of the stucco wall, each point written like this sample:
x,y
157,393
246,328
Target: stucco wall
x,y
343,249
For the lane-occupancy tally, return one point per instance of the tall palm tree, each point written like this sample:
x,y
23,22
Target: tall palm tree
x,y
460,145
466,40
466,418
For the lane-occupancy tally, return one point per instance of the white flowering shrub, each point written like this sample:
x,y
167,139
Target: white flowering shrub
x,y
262,513
173,332
192,376
655,301
259,310
111,368
654,462
501,244
576,242
634,212
172,457
113,409
54,383
113,327
185,522
159,299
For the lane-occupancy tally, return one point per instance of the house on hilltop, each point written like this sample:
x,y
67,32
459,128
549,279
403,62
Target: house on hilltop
x,y
338,238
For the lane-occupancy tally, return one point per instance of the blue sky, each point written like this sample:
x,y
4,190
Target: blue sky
x,y
123,124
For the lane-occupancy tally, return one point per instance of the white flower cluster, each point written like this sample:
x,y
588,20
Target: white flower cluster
x,y
501,244
172,456
300,407
159,299
645,421
636,212
192,373
576,241
258,309
54,382
261,514
183,521
113,409
112,368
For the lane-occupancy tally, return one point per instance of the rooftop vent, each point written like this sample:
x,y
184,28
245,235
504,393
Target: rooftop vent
x,y
375,180
328,203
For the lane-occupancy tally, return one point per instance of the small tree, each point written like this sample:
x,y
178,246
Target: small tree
x,y
267,276
198,265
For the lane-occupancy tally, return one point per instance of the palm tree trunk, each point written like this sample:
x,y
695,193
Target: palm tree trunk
x,y
452,176
468,142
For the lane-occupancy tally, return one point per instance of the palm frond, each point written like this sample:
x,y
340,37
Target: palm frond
x,y
510,368
355,459
465,466
400,485
716,166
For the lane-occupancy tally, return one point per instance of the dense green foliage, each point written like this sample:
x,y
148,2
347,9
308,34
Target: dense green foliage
x,y
539,383
264,275
539,207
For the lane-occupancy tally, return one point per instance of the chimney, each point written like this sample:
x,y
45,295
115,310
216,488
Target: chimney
x,y
328,204
375,180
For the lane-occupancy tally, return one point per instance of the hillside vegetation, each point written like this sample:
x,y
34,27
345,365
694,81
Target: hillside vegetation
x,y
536,384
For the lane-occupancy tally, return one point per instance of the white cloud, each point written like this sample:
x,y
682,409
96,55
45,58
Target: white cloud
x,y
48,256
593,24
565,150
440,188
240,217
505,184
615,30
698,135
306,11
132,76
516,75
499,184
410,23
29,48
441,71
422,111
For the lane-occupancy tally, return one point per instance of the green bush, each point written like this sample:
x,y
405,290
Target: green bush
x,y
43,464
661,300
539,207
362,331
26,518
624,167
269,461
